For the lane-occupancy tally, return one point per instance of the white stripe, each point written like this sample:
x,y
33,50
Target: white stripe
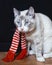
x,y
14,45
23,36
23,41
15,41
13,50
17,31
16,35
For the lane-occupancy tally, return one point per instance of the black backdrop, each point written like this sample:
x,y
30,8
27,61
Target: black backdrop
x,y
7,26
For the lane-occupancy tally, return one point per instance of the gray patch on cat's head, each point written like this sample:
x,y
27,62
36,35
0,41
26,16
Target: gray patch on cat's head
x,y
21,17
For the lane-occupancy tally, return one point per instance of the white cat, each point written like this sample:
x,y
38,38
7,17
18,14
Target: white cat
x,y
38,29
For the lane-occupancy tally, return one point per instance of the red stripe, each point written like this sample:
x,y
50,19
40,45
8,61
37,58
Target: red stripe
x,y
16,39
23,44
13,49
23,47
15,46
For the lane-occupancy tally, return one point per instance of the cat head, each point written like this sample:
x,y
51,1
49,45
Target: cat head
x,y
24,20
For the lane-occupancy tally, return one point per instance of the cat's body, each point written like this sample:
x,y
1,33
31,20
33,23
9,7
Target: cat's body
x,y
41,39
38,29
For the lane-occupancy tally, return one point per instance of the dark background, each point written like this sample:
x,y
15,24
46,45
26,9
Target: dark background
x,y
7,26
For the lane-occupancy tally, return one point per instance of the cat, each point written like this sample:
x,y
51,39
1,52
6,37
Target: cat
x,y
38,30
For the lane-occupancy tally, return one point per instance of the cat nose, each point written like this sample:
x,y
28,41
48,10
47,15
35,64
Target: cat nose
x,y
22,29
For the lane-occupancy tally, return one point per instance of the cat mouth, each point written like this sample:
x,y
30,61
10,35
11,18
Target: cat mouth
x,y
24,31
21,31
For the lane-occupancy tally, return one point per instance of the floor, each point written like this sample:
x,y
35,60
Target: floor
x,y
29,60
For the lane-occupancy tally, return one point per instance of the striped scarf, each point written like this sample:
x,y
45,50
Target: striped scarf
x,y
14,46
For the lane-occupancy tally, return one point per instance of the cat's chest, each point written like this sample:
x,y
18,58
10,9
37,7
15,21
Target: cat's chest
x,y
30,36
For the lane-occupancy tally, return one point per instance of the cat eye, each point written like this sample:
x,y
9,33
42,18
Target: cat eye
x,y
26,22
19,23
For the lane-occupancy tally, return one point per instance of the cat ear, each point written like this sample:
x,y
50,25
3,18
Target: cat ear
x,y
31,11
16,12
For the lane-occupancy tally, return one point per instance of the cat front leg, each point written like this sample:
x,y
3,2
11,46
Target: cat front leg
x,y
28,47
39,39
30,50
48,48
38,51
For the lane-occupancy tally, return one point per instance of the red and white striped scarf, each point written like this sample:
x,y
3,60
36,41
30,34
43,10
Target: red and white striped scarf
x,y
14,46
15,41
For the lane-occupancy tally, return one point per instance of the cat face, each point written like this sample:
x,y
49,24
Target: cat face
x,y
24,20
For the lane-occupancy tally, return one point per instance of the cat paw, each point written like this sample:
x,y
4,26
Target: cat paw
x,y
31,52
41,59
47,55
